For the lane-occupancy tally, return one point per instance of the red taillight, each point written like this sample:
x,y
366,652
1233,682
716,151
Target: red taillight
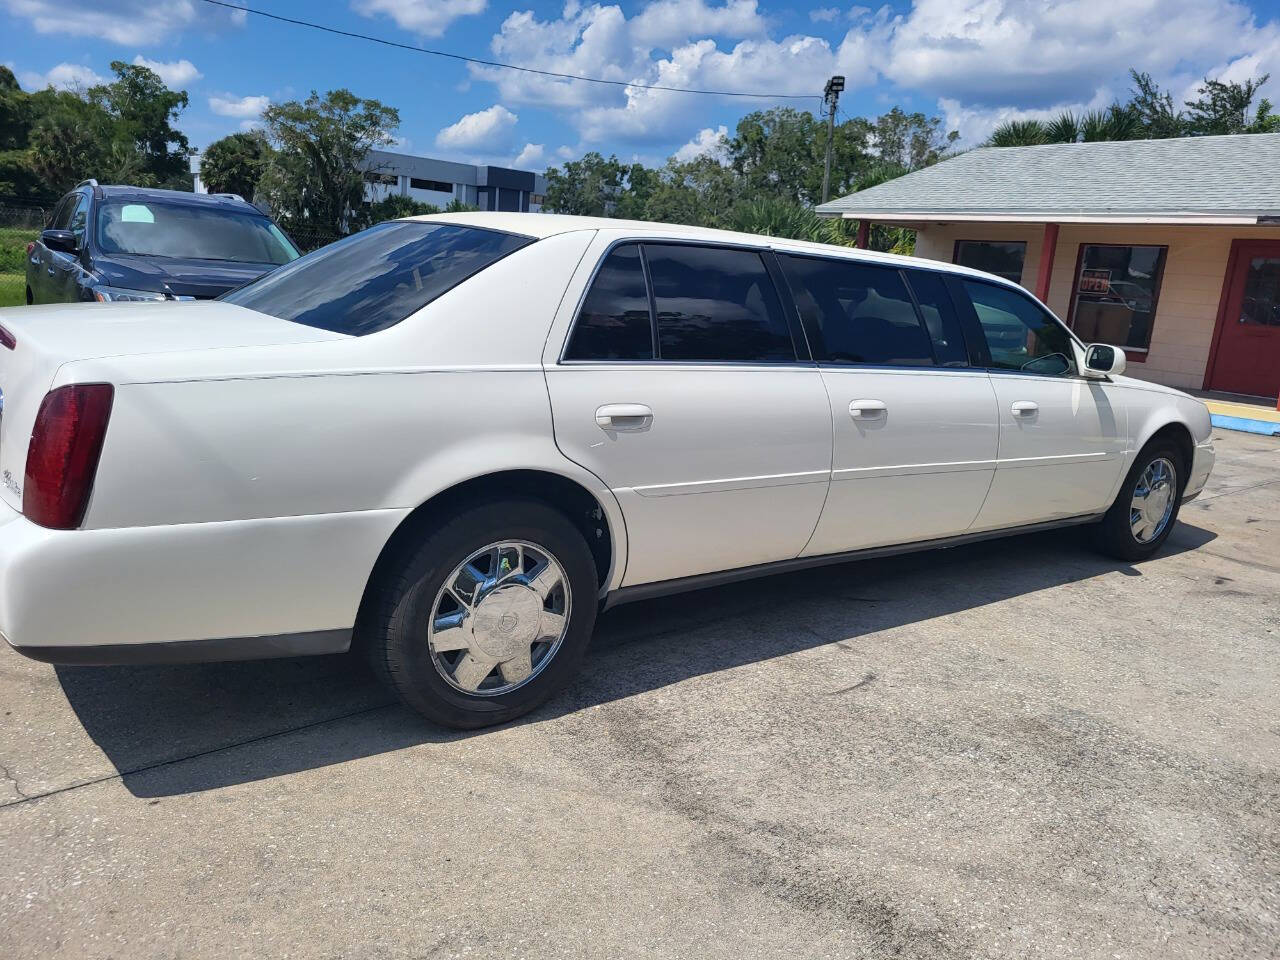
x,y
63,457
7,339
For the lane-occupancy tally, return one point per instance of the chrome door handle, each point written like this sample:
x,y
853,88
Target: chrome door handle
x,y
623,416
867,409
1025,409
52,271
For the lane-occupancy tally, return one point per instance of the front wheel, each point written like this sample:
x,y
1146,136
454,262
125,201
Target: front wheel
x,y
486,617
1146,508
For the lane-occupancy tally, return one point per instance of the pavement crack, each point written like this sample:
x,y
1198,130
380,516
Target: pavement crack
x,y
869,678
4,772
145,768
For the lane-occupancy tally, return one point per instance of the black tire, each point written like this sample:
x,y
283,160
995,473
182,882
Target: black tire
x,y
1114,535
396,612
30,298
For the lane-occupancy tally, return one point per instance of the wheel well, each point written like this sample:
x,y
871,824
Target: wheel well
x,y
570,498
1181,438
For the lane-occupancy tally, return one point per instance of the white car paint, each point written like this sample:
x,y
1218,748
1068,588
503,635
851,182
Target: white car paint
x,y
254,469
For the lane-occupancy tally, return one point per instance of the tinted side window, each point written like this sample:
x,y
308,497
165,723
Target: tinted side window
x,y
614,323
79,219
1019,334
62,212
857,313
940,319
716,304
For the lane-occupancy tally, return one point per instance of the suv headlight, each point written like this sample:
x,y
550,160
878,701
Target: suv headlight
x,y
113,294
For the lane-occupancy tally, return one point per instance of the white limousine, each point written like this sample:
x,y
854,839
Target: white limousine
x,y
452,440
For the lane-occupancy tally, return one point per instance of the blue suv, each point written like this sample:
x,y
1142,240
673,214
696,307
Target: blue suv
x,y
109,243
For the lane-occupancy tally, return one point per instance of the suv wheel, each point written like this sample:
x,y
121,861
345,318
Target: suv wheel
x,y
487,617
1146,508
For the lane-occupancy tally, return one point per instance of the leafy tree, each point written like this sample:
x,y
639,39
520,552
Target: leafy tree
x,y
1154,108
236,163
589,187
144,110
396,206
1225,108
315,178
71,141
700,192
457,206
910,141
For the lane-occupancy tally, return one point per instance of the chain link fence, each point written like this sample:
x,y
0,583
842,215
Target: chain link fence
x,y
20,223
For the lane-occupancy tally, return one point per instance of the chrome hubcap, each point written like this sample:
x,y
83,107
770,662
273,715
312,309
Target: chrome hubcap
x,y
1153,500
499,618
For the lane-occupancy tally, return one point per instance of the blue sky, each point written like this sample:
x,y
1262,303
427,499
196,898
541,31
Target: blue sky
x,y
973,62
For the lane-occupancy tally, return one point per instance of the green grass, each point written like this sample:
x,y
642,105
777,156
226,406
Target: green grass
x,y
13,248
13,289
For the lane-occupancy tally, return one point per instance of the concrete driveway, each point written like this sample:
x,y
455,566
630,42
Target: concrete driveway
x,y
1013,749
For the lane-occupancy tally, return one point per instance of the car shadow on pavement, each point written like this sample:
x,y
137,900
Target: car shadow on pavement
x,y
170,730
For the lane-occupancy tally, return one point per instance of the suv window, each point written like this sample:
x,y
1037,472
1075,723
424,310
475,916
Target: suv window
x,y
1020,334
615,323
716,303
62,212
374,279
857,313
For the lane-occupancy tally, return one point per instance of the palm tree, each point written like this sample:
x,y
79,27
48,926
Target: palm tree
x,y
1064,128
1114,123
1018,133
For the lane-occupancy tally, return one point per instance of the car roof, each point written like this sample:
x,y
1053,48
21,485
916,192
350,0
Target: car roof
x,y
157,195
542,225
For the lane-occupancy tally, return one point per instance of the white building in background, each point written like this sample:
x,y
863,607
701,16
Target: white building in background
x,y
439,181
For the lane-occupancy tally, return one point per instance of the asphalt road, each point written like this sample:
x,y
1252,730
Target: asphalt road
x,y
1013,749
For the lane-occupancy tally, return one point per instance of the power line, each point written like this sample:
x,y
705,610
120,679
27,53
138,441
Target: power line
x,y
505,66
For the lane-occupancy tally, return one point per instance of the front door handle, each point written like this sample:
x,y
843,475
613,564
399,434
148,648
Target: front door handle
x,y
624,416
1025,409
867,409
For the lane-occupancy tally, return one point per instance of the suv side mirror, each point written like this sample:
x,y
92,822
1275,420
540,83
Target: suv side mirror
x,y
61,240
1102,359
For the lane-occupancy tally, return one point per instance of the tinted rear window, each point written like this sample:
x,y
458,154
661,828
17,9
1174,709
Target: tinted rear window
x,y
716,304
374,279
857,313
614,323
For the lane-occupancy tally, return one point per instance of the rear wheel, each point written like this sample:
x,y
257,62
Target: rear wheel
x,y
486,617
1146,508
30,299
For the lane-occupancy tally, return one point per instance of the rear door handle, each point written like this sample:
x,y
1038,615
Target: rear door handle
x,y
623,416
1025,409
867,409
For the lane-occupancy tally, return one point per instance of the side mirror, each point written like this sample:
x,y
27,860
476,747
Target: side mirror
x,y
63,241
1102,360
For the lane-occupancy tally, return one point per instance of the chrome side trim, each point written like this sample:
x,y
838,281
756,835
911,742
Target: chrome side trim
x,y
910,469
729,483
662,588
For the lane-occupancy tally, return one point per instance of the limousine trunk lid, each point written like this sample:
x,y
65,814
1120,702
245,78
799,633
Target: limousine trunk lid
x,y
36,342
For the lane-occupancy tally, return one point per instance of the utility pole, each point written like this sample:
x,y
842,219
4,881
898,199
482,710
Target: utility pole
x,y
829,97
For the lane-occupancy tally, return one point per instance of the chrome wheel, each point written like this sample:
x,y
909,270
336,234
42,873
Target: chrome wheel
x,y
499,618
1153,500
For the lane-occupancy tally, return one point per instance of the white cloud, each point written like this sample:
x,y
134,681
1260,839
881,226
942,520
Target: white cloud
x,y
533,155
429,18
976,123
176,74
65,76
706,143
130,22
247,108
669,43
485,130
824,14
1034,53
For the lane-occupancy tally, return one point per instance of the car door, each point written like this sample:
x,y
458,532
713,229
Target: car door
x,y
683,384
1062,436
64,281
914,423
40,267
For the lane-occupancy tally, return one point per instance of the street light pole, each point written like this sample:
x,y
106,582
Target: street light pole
x,y
830,95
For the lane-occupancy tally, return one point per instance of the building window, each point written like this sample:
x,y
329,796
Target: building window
x,y
384,179
1001,257
537,198
1115,294
439,186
